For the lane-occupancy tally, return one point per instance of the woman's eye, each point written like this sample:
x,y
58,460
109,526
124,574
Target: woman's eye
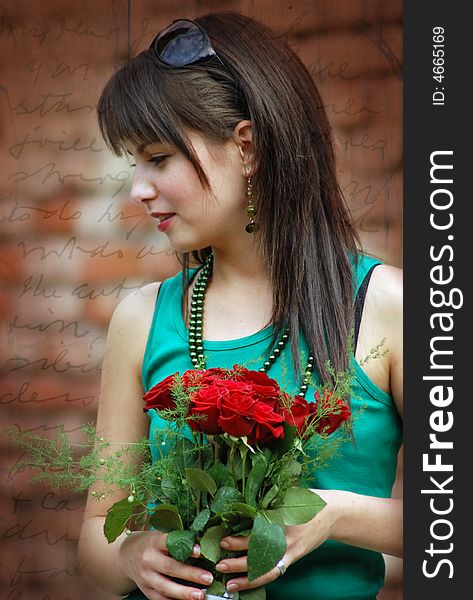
x,y
157,159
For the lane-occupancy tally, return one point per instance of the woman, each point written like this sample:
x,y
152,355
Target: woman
x,y
233,158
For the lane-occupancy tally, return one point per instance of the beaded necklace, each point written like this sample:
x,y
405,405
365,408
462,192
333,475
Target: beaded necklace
x,y
196,325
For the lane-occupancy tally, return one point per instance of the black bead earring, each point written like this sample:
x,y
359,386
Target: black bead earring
x,y
251,227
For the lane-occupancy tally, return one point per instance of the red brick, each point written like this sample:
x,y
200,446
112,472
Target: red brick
x,y
327,15
350,55
6,301
146,261
118,218
55,257
46,393
11,268
41,300
366,150
15,221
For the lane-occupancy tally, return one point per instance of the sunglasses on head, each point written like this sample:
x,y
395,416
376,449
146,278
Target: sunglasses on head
x,y
183,43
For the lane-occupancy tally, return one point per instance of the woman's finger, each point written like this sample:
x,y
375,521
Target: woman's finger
x,y
162,587
173,568
234,542
233,565
242,583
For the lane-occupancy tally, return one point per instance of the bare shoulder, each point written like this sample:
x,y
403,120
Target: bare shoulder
x,y
131,321
383,308
135,312
382,320
141,299
385,291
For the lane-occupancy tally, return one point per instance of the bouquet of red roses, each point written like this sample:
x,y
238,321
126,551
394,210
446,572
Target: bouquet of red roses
x,y
228,454
232,464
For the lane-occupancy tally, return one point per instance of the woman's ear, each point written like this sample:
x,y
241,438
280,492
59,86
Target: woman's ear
x,y
243,135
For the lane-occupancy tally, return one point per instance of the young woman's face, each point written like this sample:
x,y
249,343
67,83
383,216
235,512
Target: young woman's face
x,y
192,217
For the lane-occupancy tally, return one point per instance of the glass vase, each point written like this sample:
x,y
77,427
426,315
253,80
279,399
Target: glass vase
x,y
226,596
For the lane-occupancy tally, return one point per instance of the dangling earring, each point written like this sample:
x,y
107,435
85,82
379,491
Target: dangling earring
x,y
250,210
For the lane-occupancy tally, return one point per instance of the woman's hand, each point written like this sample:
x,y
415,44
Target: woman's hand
x,y
145,560
300,540
364,521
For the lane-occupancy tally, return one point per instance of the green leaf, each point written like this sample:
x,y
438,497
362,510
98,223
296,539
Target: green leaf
x,y
201,520
168,488
267,545
216,588
180,544
166,518
224,498
269,496
244,533
255,477
201,481
275,517
220,474
117,517
299,506
254,594
244,510
293,469
210,543
242,525
214,520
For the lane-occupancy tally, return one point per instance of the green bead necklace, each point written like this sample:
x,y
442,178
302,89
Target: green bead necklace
x,y
196,325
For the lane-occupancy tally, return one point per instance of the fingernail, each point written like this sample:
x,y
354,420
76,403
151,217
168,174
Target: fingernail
x,y
197,595
222,567
196,550
232,587
207,578
224,544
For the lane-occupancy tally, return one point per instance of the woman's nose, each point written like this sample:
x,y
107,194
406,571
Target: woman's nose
x,y
143,188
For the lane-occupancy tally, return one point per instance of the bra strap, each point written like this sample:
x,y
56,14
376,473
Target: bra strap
x,y
360,302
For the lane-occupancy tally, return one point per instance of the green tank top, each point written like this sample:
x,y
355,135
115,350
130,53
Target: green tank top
x,y
334,571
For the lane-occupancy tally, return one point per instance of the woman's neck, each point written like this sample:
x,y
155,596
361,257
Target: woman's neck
x,y
241,269
238,300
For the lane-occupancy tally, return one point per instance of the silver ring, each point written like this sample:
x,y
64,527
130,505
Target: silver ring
x,y
281,566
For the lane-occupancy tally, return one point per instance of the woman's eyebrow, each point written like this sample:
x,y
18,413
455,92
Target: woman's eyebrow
x,y
141,147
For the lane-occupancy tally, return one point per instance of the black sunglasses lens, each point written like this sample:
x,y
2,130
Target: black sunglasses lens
x,y
182,44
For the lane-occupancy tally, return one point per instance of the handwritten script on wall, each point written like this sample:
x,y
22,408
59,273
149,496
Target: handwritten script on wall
x,y
73,244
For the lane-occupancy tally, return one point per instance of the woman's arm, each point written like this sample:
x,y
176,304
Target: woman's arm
x,y
120,419
140,560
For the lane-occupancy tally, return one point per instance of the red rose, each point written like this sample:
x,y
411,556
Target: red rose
x,y
237,408
299,413
203,377
194,378
205,403
159,396
335,412
265,388
243,414
268,425
234,401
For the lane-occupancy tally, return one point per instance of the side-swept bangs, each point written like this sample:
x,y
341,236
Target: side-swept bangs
x,y
146,102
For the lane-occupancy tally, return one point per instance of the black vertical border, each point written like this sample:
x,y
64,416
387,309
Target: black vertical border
x,y
429,128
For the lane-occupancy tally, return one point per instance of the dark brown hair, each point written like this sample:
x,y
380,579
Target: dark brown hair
x,y
305,234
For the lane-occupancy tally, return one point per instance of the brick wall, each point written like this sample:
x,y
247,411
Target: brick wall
x,y
73,244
